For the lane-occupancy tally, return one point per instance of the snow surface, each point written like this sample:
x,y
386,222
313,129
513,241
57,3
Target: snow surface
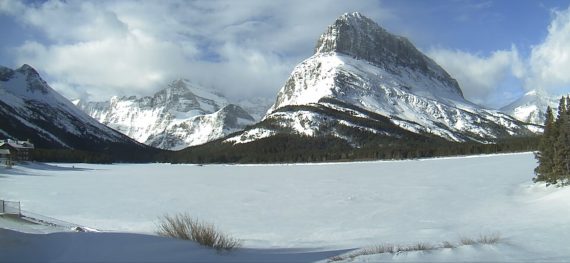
x,y
305,208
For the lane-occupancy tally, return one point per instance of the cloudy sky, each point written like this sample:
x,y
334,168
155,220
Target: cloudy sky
x,y
497,50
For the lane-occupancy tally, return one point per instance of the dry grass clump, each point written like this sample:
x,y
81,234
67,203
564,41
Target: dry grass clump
x,y
183,226
489,239
421,246
465,241
380,249
384,248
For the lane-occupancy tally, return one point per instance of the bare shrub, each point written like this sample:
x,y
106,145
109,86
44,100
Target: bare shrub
x,y
183,226
465,241
489,239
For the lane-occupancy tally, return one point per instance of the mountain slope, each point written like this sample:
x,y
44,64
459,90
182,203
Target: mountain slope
x,y
362,70
181,115
531,107
31,109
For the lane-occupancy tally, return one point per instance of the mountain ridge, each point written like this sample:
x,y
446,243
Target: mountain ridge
x,y
414,92
31,109
181,115
531,107
360,37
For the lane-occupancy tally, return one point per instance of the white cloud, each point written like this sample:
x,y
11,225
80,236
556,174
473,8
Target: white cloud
x,y
11,7
134,62
550,60
75,21
244,48
480,76
547,67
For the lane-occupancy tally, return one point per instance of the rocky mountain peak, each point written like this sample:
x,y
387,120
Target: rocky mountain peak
x,y
174,89
179,86
531,107
360,37
33,80
28,70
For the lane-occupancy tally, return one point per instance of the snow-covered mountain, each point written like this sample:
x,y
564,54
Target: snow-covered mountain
x,y
365,81
531,107
31,109
181,115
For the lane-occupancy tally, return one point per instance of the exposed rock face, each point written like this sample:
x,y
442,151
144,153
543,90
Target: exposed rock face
x,y
386,85
360,37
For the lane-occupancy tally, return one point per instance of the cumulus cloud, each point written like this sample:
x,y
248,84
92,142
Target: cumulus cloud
x,y
550,60
243,48
546,68
479,76
131,64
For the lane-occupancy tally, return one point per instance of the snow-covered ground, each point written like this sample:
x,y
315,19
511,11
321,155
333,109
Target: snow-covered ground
x,y
293,212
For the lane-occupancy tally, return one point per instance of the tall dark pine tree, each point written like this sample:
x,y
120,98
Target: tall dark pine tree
x,y
562,146
545,154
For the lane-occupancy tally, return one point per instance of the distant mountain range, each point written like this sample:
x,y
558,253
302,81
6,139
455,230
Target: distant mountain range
x,y
363,87
181,115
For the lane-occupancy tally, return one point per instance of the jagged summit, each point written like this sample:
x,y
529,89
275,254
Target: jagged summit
x,y
360,37
364,82
27,69
347,26
28,84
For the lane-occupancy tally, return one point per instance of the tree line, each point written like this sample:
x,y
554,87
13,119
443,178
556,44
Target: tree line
x,y
288,148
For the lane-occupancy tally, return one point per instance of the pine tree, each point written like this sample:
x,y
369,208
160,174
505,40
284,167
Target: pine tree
x,y
545,154
562,158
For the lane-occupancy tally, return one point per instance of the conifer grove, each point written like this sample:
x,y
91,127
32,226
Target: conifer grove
x,y
554,150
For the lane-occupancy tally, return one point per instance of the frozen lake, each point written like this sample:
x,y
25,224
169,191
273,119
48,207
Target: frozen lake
x,y
341,205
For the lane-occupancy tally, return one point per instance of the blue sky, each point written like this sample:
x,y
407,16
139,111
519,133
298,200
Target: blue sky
x,y
496,49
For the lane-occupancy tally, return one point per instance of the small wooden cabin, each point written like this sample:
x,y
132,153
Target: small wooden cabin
x,y
17,150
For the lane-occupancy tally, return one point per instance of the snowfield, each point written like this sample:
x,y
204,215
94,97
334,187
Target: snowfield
x,y
291,213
